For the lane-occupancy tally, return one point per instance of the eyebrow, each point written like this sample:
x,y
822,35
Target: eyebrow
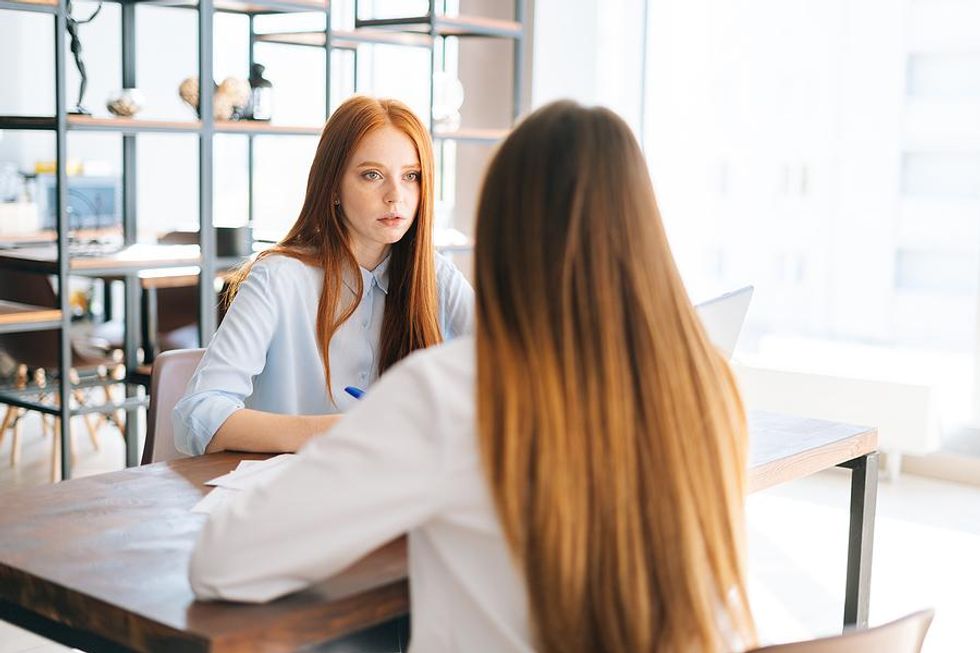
x,y
375,164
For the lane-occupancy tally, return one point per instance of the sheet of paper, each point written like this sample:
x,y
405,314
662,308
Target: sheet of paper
x,y
214,500
256,471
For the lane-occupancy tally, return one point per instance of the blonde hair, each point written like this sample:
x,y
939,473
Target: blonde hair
x,y
611,431
320,236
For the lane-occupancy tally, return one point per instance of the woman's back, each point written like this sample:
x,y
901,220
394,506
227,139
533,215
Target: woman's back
x,y
572,479
413,466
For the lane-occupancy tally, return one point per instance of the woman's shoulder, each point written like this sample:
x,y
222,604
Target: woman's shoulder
x,y
446,271
282,270
276,262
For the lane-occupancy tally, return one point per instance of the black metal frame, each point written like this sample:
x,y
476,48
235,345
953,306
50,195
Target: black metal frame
x,y
60,124
860,539
428,31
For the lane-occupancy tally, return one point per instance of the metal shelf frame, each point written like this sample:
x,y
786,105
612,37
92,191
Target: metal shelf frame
x,y
61,124
429,31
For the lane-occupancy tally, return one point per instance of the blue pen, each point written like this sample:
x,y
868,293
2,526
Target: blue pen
x,y
357,393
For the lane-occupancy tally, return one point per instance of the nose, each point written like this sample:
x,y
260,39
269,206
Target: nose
x,y
393,194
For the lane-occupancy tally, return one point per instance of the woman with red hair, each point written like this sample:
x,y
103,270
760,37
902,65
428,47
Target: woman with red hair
x,y
354,287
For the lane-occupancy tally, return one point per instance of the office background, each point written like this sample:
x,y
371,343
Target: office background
x,y
825,151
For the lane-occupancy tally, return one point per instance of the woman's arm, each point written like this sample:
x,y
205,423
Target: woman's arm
x,y
381,472
255,430
211,416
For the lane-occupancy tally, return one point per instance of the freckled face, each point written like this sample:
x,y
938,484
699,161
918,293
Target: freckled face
x,y
380,190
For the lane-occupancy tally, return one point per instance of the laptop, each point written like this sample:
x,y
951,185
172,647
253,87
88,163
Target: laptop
x,y
723,317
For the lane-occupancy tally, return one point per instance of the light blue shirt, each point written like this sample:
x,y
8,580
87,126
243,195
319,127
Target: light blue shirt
x,y
265,354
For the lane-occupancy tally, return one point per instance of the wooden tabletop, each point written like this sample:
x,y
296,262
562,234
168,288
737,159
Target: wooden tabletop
x,y
784,447
15,313
108,554
133,257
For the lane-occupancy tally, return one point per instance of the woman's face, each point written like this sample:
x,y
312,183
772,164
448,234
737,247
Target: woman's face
x,y
379,192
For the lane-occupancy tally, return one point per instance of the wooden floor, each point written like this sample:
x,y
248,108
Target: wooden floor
x,y
926,542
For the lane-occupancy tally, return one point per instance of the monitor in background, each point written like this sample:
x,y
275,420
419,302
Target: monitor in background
x,y
724,316
94,202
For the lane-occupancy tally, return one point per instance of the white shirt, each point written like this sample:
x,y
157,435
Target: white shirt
x,y
265,354
399,462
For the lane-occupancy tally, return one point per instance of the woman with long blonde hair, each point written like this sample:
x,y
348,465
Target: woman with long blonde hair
x,y
354,287
572,478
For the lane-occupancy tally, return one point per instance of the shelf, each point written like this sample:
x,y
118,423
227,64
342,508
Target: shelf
x,y
262,128
136,125
348,39
270,7
242,6
44,6
30,398
28,122
16,317
134,258
44,236
472,135
132,125
449,26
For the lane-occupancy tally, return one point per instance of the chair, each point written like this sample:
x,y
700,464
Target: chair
x,y
171,372
902,636
38,351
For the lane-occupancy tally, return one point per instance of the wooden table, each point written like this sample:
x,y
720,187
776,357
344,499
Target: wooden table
x,y
91,261
100,563
24,317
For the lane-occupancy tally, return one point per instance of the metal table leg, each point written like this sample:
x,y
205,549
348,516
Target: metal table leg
x,y
860,539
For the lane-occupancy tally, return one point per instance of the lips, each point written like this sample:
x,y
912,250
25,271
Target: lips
x,y
391,219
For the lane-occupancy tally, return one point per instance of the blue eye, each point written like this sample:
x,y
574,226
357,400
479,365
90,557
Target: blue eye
x,y
372,175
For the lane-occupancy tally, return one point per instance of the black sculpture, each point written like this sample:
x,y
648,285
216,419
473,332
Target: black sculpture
x,y
76,51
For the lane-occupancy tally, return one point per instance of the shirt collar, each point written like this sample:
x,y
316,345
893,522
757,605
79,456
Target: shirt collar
x,y
377,276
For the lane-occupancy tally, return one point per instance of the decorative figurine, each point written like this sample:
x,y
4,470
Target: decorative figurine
x,y
76,51
125,103
230,98
260,106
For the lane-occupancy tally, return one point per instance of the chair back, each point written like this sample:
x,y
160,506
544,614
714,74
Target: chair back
x,y
902,636
171,372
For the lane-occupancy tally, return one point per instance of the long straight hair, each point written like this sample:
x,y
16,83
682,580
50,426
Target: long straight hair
x,y
611,431
320,237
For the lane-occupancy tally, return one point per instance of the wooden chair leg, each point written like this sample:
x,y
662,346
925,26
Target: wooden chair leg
x,y
14,415
79,396
8,420
116,417
56,452
15,443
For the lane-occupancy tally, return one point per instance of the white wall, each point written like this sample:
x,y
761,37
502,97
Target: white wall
x,y
590,51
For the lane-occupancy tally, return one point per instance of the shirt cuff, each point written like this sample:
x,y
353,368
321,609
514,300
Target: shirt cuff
x,y
197,418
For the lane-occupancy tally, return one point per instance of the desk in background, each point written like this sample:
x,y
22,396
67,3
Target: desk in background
x,y
100,563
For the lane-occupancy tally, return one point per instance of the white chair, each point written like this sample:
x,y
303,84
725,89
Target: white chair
x,y
902,636
171,372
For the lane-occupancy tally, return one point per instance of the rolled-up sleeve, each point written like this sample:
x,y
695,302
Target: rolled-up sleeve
x,y
457,302
376,475
237,353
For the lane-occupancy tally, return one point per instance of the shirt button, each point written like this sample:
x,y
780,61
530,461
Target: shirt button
x,y
364,324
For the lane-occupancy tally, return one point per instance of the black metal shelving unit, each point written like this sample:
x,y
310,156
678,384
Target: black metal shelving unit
x,y
430,32
62,266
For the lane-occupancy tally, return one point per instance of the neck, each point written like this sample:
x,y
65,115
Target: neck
x,y
369,256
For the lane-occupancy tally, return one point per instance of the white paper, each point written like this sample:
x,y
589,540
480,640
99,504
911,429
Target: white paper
x,y
247,475
213,500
